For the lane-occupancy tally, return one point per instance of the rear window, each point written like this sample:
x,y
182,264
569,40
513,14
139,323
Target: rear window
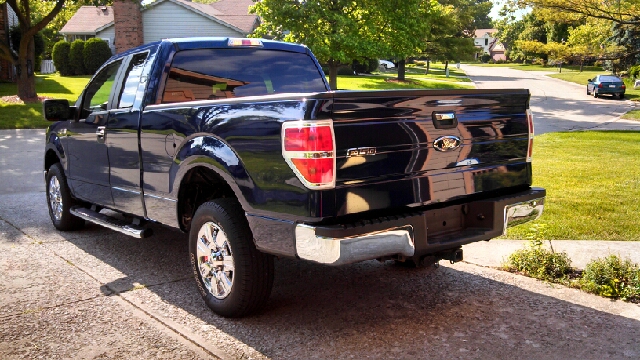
x,y
210,74
610,78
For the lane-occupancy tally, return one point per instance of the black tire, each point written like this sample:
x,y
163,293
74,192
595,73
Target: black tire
x,y
595,94
61,218
588,93
253,271
621,96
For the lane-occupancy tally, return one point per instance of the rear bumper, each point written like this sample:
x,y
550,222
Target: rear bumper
x,y
420,233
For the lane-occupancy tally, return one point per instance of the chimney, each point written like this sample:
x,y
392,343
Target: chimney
x,y
127,17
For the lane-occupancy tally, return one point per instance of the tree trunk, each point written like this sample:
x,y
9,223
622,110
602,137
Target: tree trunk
x,y
581,65
26,79
446,65
428,65
401,69
333,74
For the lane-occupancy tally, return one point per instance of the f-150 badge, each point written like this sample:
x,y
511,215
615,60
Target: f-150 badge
x,y
447,143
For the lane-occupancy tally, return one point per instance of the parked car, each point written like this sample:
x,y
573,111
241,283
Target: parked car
x,y
241,144
606,84
387,64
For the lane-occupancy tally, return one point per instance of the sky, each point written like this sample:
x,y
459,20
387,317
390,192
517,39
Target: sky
x,y
497,5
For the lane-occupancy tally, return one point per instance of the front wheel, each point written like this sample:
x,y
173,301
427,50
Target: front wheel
x,y
233,277
59,200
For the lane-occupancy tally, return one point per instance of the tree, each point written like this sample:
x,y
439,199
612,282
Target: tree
x,y
31,22
619,11
337,31
402,28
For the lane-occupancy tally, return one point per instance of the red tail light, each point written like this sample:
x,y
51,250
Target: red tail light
x,y
530,126
599,86
309,149
624,86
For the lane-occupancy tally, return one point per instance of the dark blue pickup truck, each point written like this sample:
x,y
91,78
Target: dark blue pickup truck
x,y
241,144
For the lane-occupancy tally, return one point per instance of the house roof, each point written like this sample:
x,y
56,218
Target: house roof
x,y
232,13
88,20
482,32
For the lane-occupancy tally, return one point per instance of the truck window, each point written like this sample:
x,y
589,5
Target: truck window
x,y
130,87
205,74
96,96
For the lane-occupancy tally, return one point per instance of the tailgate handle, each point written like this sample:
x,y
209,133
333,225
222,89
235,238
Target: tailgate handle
x,y
444,119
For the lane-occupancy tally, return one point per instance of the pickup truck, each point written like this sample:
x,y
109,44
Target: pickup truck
x,y
241,144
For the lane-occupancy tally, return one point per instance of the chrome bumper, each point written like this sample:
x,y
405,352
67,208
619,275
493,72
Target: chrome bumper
x,y
520,213
340,251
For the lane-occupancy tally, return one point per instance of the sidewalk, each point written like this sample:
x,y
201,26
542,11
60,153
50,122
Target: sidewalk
x,y
493,253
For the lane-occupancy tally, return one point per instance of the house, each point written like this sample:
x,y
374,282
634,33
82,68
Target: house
x,y
8,19
486,42
127,24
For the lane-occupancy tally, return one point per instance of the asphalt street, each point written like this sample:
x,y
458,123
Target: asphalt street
x,y
99,294
557,105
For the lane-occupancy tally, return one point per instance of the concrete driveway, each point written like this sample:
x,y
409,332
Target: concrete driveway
x,y
557,105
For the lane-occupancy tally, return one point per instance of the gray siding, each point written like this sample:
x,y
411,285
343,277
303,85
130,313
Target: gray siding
x,y
169,20
108,33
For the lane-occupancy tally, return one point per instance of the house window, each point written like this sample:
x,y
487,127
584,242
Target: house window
x,y
486,42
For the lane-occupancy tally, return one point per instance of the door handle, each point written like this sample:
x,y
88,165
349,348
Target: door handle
x,y
100,134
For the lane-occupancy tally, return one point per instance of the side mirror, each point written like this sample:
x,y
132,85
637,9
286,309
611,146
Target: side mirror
x,y
57,109
590,80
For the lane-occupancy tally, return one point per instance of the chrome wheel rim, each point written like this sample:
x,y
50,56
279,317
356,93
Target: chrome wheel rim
x,y
215,260
55,198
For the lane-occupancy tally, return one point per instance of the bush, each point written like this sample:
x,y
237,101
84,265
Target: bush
x,y
345,70
485,58
365,67
60,57
612,277
16,35
634,71
540,263
96,52
76,57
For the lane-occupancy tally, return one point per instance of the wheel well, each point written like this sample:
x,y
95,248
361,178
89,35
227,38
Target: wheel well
x,y
198,186
50,158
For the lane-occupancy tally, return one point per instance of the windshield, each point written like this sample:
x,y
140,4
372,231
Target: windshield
x,y
226,73
610,78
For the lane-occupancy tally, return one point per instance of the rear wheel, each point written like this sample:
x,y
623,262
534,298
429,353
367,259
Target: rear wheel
x,y
233,277
59,200
588,93
595,94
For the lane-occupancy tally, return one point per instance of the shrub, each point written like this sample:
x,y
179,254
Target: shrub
x,y
76,57
540,263
365,66
345,70
60,57
38,40
96,52
485,58
634,71
612,277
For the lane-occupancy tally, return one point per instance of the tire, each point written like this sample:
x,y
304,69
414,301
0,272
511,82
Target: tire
x,y
588,93
238,281
621,96
60,201
595,94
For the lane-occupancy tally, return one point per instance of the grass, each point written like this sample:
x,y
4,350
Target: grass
x,y
379,83
592,183
29,116
632,115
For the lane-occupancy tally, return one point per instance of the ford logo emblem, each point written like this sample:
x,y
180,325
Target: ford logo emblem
x,y
447,143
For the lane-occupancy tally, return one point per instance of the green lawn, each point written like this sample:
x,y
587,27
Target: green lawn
x,y
593,186
29,116
632,115
379,83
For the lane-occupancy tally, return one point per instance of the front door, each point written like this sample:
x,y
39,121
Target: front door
x,y
89,160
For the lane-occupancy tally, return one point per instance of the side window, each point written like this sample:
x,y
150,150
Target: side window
x,y
132,81
97,94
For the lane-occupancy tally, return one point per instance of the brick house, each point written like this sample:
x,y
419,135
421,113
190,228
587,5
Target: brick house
x,y
8,19
127,24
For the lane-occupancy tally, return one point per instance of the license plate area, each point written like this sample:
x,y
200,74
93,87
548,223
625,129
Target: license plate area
x,y
612,86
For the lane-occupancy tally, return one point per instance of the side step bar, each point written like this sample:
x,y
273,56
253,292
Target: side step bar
x,y
111,223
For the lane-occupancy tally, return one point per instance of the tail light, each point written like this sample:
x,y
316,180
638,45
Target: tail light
x,y
309,149
624,86
530,126
599,86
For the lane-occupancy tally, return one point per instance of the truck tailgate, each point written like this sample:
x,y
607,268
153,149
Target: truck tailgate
x,y
418,147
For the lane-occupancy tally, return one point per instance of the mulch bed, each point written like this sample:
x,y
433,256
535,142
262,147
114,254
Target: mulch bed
x,y
14,99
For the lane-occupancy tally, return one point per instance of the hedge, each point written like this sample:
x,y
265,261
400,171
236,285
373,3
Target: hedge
x,y
96,52
76,58
60,57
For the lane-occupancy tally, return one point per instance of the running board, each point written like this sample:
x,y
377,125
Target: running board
x,y
111,223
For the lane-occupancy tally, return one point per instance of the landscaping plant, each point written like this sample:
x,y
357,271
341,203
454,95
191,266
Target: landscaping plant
x,y
612,277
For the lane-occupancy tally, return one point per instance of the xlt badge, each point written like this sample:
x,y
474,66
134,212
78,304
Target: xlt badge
x,y
363,151
447,143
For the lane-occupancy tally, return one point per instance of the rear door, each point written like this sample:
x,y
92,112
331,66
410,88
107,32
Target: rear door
x,y
409,148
